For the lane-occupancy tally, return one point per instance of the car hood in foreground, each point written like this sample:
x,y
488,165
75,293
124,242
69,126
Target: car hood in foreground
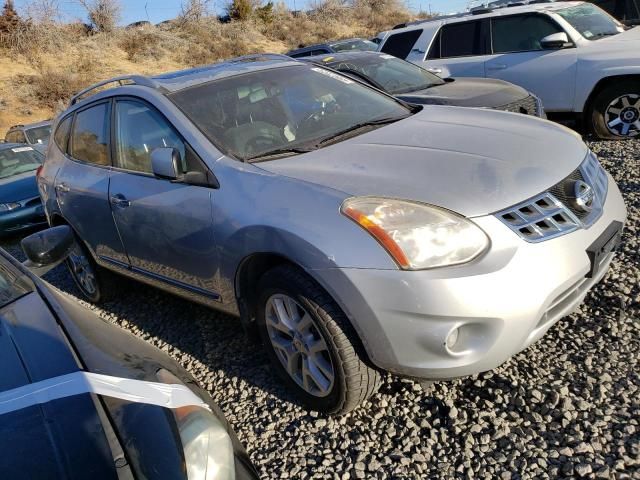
x,y
471,161
18,187
468,92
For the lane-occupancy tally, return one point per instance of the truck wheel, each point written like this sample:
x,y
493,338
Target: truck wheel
x,y
96,284
615,114
311,343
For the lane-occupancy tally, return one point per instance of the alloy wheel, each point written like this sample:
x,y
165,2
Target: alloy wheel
x,y
299,345
623,116
83,271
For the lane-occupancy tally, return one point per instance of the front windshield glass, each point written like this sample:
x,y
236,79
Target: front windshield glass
x,y
590,21
392,74
14,161
296,107
39,135
359,45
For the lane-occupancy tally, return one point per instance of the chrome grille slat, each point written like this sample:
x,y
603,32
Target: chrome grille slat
x,y
549,215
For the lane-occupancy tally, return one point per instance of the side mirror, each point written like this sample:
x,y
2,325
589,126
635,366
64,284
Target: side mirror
x,y
166,163
47,249
555,41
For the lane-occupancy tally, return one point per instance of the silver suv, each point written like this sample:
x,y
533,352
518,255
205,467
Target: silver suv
x,y
354,233
581,62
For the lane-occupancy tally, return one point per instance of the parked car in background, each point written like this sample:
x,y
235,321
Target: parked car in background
x,y
579,60
82,398
354,232
627,11
20,205
34,134
350,44
411,83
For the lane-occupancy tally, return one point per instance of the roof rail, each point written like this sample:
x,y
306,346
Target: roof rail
x,y
123,80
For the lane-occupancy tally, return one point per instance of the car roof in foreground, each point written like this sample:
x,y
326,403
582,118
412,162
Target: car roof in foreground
x,y
175,81
497,11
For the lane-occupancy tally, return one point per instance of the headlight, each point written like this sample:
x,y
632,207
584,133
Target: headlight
x,y
208,451
416,235
7,207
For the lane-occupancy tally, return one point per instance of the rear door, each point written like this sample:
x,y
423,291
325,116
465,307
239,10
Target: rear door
x,y
459,50
166,227
519,58
82,183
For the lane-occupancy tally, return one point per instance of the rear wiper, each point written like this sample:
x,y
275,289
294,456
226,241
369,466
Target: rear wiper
x,y
357,126
279,152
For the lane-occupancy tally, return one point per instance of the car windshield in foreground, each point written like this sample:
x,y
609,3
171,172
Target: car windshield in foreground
x,y
284,110
12,285
392,74
39,135
359,45
14,161
591,22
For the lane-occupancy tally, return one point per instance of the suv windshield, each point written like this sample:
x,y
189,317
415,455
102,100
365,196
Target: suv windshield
x,y
592,22
39,134
392,74
14,161
284,110
360,45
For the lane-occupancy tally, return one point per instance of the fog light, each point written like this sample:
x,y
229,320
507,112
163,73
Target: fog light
x,y
452,339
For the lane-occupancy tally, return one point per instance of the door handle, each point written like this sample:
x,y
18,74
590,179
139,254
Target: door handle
x,y
436,71
499,66
62,187
120,201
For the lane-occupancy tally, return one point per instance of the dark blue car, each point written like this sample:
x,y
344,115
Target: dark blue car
x,y
20,206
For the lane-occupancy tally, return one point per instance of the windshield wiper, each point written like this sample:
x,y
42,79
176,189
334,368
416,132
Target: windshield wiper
x,y
279,152
371,123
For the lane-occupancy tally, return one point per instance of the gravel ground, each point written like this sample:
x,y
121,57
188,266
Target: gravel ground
x,y
569,406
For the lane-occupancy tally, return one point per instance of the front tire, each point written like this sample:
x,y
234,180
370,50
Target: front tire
x,y
615,114
312,344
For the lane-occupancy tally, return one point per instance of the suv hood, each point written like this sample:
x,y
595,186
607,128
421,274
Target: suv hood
x,y
474,162
468,92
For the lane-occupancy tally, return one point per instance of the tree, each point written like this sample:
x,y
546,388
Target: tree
x,y
43,11
242,9
10,21
103,14
194,10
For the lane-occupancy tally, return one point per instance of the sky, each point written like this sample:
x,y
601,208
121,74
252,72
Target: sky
x,y
158,10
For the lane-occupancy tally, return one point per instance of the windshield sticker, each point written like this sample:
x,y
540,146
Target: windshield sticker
x,y
327,59
335,76
22,149
587,34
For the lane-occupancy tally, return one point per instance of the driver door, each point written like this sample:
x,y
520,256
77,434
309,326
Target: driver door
x,y
166,227
519,58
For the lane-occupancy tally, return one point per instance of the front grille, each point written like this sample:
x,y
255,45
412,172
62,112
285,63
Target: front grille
x,y
527,106
555,212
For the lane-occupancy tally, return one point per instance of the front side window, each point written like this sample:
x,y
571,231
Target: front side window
x,y
18,160
140,129
16,137
392,74
39,135
590,21
463,39
521,33
283,108
90,136
400,44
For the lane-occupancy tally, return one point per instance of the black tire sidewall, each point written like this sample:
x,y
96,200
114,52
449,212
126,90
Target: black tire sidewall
x,y
272,285
97,297
597,113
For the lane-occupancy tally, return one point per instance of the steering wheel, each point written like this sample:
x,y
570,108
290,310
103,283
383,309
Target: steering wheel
x,y
261,140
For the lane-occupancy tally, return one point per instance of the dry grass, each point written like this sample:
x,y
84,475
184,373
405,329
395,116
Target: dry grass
x,y
42,65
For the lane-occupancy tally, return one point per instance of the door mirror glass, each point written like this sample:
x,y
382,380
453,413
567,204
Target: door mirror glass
x,y
166,163
48,248
555,40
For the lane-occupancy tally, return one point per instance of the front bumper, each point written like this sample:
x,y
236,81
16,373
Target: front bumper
x,y
30,215
501,303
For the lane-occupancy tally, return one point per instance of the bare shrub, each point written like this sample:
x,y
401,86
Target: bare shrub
x,y
43,11
143,44
103,14
194,10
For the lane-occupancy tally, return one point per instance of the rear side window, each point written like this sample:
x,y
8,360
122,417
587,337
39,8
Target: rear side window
x,y
140,129
61,137
464,39
521,33
400,44
17,136
90,135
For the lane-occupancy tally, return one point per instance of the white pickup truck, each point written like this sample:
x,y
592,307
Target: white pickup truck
x,y
579,60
